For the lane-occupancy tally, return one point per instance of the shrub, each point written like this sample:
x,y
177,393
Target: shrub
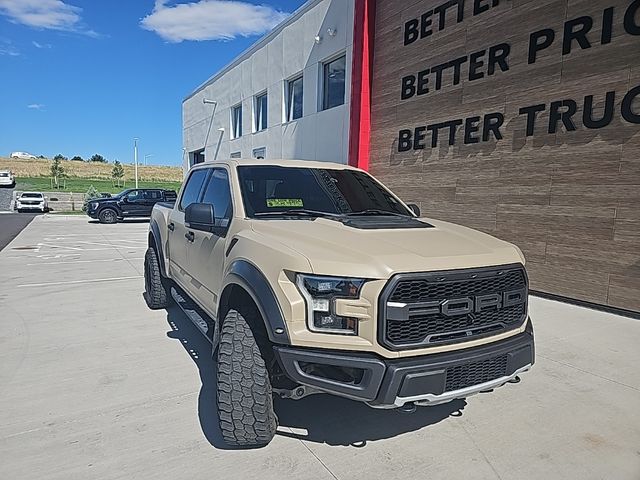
x,y
90,195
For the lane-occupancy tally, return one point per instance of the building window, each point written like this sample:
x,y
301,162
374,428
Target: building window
x,y
260,112
236,121
260,153
197,157
236,155
294,99
334,73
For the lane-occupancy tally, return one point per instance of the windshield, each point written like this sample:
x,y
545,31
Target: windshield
x,y
31,195
272,189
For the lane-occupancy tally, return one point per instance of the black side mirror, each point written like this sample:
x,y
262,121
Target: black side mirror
x,y
200,216
414,208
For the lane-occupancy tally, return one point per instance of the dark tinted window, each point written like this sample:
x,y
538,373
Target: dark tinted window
x,y
333,85
193,187
273,189
134,195
218,194
152,195
294,99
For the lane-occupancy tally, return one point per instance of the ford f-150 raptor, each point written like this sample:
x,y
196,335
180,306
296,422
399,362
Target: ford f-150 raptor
x,y
134,202
312,277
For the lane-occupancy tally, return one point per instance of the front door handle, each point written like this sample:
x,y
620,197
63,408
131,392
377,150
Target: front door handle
x,y
189,236
171,227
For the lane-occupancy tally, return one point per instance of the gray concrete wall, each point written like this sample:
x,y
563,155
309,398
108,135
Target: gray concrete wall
x,y
289,50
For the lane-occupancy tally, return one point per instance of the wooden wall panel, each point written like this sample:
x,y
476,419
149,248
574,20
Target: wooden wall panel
x,y
569,199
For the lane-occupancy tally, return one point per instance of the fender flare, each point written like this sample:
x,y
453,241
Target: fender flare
x,y
253,281
154,231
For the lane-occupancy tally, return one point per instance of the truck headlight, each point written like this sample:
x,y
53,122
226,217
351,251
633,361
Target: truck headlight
x,y
320,294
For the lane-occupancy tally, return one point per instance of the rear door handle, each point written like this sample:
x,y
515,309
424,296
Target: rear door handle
x,y
189,236
171,227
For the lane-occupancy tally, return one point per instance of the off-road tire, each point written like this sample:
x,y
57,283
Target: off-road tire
x,y
245,401
108,215
156,290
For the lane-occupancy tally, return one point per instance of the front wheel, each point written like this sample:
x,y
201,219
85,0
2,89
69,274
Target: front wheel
x,y
108,215
245,400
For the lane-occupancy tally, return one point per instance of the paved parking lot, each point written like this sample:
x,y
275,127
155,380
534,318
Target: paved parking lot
x,y
93,385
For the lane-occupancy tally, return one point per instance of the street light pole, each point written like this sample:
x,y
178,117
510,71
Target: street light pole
x,y
147,156
135,158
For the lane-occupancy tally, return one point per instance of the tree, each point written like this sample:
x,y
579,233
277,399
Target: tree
x,y
60,157
57,171
98,158
117,173
77,158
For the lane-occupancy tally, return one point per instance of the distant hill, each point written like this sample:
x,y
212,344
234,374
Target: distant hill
x,y
90,170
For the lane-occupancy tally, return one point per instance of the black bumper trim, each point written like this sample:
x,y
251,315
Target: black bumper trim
x,y
385,380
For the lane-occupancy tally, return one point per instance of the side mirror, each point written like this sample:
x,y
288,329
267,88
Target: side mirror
x,y
200,216
414,208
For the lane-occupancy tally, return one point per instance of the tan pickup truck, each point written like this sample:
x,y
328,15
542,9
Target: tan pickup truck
x,y
314,278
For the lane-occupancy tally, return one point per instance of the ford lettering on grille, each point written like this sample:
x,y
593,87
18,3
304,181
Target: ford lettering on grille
x,y
445,307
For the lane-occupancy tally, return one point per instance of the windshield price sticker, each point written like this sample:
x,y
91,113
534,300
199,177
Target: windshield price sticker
x,y
284,202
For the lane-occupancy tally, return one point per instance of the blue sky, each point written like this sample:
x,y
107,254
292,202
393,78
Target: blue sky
x,y
84,77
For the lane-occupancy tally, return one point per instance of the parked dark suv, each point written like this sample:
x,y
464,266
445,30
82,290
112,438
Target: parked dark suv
x,y
136,202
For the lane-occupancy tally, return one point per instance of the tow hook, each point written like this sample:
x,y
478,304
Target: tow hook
x,y
515,379
408,408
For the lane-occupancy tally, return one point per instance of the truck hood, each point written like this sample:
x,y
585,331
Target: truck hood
x,y
333,248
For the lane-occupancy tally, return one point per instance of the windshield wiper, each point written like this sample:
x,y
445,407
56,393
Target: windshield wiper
x,y
374,211
302,212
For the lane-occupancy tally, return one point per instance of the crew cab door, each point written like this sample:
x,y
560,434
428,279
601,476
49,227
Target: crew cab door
x,y
133,204
207,253
179,244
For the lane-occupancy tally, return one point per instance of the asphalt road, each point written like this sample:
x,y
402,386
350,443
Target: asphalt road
x,y
11,225
5,198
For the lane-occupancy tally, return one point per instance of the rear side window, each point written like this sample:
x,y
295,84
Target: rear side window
x,y
218,194
193,187
152,195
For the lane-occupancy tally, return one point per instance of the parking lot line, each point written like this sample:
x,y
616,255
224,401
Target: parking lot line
x,y
93,280
84,261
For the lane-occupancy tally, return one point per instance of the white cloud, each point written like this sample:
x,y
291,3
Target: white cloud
x,y
41,45
9,50
36,106
210,20
47,14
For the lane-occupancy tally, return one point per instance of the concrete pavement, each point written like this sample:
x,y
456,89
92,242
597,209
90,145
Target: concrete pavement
x,y
93,385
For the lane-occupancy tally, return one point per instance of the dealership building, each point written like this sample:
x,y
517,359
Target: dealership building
x,y
519,118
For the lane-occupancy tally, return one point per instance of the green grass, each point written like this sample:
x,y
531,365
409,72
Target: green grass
x,y
81,185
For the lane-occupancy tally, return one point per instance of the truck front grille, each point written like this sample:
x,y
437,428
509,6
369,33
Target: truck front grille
x,y
462,376
424,309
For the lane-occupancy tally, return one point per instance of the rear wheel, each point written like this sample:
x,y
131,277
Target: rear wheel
x,y
245,401
156,290
108,215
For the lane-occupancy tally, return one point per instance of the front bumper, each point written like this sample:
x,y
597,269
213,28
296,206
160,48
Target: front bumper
x,y
38,207
425,380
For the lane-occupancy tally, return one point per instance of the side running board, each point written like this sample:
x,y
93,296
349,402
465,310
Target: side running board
x,y
200,319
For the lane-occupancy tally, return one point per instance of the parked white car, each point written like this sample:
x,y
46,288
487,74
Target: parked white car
x,y
32,201
7,178
23,155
